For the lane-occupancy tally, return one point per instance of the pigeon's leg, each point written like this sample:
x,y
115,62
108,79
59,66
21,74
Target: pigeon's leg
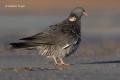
x,y
56,62
62,62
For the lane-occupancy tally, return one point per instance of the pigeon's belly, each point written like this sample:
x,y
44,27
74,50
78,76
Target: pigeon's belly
x,y
53,50
73,48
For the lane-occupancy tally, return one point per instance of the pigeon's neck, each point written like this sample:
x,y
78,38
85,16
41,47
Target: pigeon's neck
x,y
77,27
74,26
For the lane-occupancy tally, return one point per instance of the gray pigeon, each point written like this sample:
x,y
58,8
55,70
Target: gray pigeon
x,y
59,40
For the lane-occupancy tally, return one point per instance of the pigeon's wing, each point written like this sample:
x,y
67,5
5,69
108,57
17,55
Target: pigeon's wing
x,y
34,36
40,38
56,34
52,28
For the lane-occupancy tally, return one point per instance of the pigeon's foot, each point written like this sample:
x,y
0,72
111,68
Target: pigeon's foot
x,y
60,62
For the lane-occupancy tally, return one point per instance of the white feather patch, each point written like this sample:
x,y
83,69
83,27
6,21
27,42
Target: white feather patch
x,y
67,45
72,19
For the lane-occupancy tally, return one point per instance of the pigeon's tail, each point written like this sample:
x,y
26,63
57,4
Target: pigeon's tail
x,y
20,45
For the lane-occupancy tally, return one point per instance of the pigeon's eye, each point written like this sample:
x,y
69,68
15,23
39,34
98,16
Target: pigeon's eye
x,y
72,19
83,10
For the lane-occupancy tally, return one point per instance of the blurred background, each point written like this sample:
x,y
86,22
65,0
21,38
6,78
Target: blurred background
x,y
100,39
16,22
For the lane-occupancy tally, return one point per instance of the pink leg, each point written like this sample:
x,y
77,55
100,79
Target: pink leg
x,y
62,62
55,60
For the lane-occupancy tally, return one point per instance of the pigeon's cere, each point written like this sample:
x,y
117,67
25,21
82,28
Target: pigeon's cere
x,y
60,40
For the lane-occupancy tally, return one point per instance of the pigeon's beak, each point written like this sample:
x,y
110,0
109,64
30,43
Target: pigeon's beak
x,y
84,13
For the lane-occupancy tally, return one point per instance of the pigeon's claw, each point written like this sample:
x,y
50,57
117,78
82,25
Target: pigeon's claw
x,y
62,62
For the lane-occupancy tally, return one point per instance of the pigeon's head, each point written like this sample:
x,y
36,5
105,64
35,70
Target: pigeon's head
x,y
76,13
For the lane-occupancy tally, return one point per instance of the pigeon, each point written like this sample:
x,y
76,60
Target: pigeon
x,y
57,41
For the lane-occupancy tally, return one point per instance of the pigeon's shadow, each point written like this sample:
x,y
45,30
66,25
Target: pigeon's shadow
x,y
41,69
24,69
103,62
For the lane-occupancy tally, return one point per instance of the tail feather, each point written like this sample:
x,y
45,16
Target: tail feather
x,y
20,45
